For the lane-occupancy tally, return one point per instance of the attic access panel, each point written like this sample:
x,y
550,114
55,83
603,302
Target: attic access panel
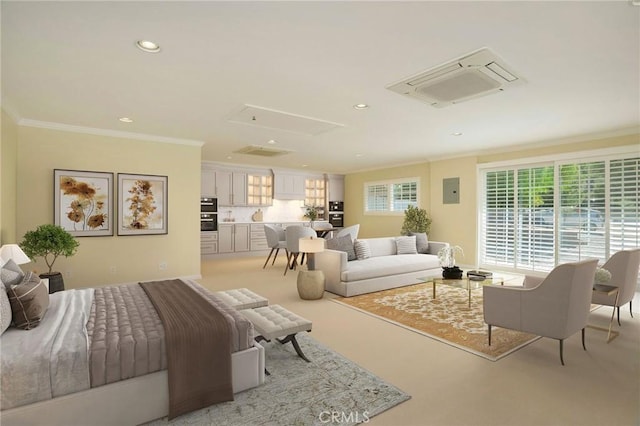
x,y
271,119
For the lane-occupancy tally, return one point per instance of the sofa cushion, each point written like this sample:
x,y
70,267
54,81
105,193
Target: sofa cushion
x,y
383,246
344,244
11,274
406,245
29,302
380,266
422,242
363,251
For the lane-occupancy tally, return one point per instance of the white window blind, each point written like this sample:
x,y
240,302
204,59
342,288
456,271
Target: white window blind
x,y
624,217
497,216
391,196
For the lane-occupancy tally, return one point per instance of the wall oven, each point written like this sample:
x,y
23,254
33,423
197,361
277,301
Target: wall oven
x,y
208,205
336,220
208,221
336,206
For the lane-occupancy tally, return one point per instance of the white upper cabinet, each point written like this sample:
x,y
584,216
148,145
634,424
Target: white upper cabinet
x,y
232,188
288,186
336,188
208,183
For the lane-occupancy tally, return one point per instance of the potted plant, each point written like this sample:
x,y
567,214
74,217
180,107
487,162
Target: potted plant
x,y
415,220
311,213
49,242
447,258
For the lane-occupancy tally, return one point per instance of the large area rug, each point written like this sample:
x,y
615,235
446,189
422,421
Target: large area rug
x,y
446,318
301,393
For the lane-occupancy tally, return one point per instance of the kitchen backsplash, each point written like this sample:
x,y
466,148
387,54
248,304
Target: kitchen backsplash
x,y
280,211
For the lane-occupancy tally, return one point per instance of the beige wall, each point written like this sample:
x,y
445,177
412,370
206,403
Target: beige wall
x,y
8,178
454,223
135,258
376,225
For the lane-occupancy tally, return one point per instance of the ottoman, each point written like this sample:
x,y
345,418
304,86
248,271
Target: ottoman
x,y
242,298
275,321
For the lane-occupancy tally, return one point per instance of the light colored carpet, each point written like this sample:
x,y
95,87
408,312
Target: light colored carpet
x,y
446,318
327,389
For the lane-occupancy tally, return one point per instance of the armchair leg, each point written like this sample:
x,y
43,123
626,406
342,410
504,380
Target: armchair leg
x,y
267,261
630,311
583,346
489,334
561,359
274,256
618,308
289,255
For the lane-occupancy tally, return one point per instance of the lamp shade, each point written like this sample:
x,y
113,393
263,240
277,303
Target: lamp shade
x,y
13,252
311,245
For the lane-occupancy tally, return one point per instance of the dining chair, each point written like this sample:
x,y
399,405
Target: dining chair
x,y
349,230
293,235
623,266
275,240
556,306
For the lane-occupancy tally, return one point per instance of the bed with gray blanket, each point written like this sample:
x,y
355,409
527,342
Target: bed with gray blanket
x,y
101,353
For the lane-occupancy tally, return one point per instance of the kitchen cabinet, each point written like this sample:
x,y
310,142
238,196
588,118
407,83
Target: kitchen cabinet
x,y
258,237
208,183
232,188
315,194
209,242
288,186
336,188
259,190
233,237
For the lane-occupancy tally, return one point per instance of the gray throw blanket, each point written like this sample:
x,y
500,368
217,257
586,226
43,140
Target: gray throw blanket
x,y
198,346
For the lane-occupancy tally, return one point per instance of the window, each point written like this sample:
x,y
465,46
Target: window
x,y
391,196
533,217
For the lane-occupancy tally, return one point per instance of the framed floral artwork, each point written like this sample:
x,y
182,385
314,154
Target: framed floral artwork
x,y
83,202
142,204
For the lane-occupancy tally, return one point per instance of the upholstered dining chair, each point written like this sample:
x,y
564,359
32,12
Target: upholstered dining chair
x,y
293,235
275,240
623,266
556,306
349,230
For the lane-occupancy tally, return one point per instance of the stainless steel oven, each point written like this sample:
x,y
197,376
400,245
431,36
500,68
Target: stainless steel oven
x,y
208,221
336,220
208,205
336,206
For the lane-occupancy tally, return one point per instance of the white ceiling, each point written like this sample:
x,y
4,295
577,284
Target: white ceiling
x,y
75,64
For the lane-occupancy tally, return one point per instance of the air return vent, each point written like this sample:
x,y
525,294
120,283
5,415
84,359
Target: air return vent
x,y
262,151
479,73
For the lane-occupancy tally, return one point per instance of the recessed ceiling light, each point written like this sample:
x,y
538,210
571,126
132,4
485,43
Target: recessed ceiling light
x,y
305,165
456,134
125,120
148,46
271,142
361,106
359,155
228,157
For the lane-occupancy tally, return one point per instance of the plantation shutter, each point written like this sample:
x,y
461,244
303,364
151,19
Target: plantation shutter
x,y
497,219
624,213
404,195
377,198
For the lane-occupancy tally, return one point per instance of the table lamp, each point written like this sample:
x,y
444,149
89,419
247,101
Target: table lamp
x,y
13,252
310,282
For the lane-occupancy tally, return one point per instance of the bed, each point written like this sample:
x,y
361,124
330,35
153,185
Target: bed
x,y
68,370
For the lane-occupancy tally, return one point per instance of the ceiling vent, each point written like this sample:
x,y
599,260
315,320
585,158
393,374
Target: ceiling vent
x,y
262,151
479,73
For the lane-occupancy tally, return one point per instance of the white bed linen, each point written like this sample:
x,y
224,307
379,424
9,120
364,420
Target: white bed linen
x,y
52,359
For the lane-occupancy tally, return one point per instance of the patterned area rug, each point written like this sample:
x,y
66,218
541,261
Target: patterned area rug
x,y
446,318
330,389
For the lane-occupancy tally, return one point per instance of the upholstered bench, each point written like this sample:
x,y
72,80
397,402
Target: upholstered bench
x,y
275,321
242,298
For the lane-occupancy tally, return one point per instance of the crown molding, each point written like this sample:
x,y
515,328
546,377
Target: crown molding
x,y
105,132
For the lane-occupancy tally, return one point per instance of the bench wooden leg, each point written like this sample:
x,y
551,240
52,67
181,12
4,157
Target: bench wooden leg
x,y
292,338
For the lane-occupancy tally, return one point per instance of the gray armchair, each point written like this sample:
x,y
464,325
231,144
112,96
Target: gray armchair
x,y
556,306
623,266
275,240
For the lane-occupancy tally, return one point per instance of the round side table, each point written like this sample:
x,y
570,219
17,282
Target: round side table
x,y
310,285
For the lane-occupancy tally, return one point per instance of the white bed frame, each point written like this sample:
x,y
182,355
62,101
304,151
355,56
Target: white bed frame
x,y
129,402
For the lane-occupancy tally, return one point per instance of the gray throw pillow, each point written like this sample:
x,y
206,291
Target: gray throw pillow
x,y
362,248
344,244
406,245
11,274
422,242
29,302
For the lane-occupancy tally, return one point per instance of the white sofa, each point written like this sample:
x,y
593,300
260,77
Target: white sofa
x,y
385,268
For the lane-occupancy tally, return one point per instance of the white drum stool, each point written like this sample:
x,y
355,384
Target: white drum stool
x,y
275,321
242,298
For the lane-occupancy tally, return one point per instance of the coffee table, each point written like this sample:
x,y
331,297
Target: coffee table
x,y
464,283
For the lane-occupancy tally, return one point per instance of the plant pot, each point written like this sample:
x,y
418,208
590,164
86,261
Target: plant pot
x,y
56,283
452,273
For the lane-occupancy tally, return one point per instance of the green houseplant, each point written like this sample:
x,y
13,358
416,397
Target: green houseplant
x,y
311,213
415,220
49,242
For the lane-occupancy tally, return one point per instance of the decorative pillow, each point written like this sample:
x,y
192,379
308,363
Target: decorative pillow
x,y
5,310
406,245
29,302
344,244
11,274
362,248
422,242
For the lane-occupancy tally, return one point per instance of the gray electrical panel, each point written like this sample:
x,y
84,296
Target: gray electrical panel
x,y
451,191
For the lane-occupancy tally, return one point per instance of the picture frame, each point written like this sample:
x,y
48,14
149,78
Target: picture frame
x,y
142,204
83,202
